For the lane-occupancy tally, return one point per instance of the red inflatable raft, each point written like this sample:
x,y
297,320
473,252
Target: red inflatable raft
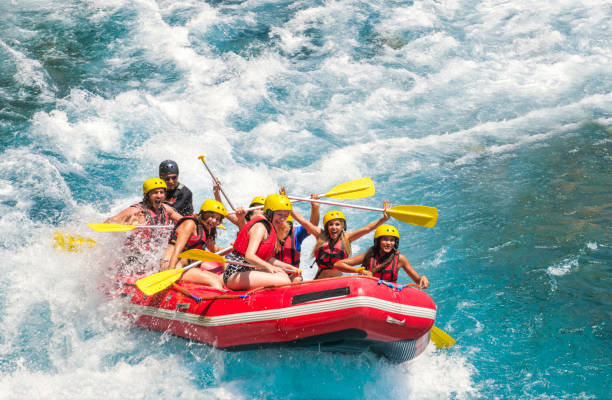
x,y
345,314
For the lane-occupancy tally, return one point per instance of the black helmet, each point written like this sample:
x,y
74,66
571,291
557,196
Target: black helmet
x,y
168,167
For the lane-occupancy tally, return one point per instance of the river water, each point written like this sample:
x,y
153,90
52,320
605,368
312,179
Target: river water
x,y
497,113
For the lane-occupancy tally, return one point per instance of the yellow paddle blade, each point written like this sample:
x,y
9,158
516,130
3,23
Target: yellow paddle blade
x,y
441,339
152,284
67,242
357,189
415,215
111,227
202,255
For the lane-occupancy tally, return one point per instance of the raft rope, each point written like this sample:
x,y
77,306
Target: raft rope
x,y
397,287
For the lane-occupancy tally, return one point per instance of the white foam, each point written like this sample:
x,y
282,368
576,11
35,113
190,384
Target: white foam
x,y
563,267
29,72
435,374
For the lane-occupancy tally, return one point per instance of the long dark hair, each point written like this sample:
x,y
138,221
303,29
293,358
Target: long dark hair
x,y
373,252
203,216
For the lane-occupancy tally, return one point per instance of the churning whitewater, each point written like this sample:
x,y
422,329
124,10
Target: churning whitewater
x,y
499,114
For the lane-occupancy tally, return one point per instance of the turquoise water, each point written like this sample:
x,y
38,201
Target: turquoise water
x,y
499,114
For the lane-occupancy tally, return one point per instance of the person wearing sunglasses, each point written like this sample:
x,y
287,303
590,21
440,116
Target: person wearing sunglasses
x,y
178,196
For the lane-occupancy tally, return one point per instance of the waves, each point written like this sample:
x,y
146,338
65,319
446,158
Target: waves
x,y
496,113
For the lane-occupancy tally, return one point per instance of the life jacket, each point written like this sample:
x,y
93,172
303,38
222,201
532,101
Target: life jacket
x,y
326,256
288,253
140,239
150,216
172,197
389,273
266,247
197,241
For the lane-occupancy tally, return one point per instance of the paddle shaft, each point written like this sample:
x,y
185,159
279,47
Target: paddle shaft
x,y
331,203
248,209
216,181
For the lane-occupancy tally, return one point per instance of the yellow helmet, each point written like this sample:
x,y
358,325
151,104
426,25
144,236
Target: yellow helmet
x,y
333,214
277,202
213,206
257,200
153,183
386,230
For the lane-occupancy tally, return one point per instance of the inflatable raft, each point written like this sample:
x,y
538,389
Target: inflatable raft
x,y
345,314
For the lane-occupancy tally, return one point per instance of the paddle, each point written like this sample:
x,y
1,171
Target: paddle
x,y
123,228
202,158
415,215
203,255
356,189
159,281
68,242
441,339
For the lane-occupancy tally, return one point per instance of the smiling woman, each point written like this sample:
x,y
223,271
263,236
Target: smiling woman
x,y
256,243
334,241
196,232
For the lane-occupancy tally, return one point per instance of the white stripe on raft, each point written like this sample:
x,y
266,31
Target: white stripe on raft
x,y
287,312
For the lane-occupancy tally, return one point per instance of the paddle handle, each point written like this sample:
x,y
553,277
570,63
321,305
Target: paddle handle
x,y
202,158
331,203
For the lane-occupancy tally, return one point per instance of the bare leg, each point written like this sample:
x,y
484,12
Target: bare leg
x,y
196,275
329,273
252,279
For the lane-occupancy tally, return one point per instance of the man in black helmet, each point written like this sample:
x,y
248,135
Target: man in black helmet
x,y
177,195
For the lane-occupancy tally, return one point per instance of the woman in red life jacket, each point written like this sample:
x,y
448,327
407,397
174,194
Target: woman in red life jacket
x,y
383,260
255,244
333,241
196,232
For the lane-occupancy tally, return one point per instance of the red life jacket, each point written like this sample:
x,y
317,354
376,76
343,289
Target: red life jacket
x,y
288,252
150,216
389,273
197,241
326,257
140,239
266,247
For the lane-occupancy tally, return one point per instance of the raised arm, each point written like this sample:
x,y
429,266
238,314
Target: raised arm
x,y
309,226
233,218
354,235
314,210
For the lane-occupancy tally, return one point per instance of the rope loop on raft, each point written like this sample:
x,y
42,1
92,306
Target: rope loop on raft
x,y
398,287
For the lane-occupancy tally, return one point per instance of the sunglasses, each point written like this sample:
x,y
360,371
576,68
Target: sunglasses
x,y
170,177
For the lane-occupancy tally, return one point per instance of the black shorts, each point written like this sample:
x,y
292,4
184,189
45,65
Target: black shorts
x,y
231,269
